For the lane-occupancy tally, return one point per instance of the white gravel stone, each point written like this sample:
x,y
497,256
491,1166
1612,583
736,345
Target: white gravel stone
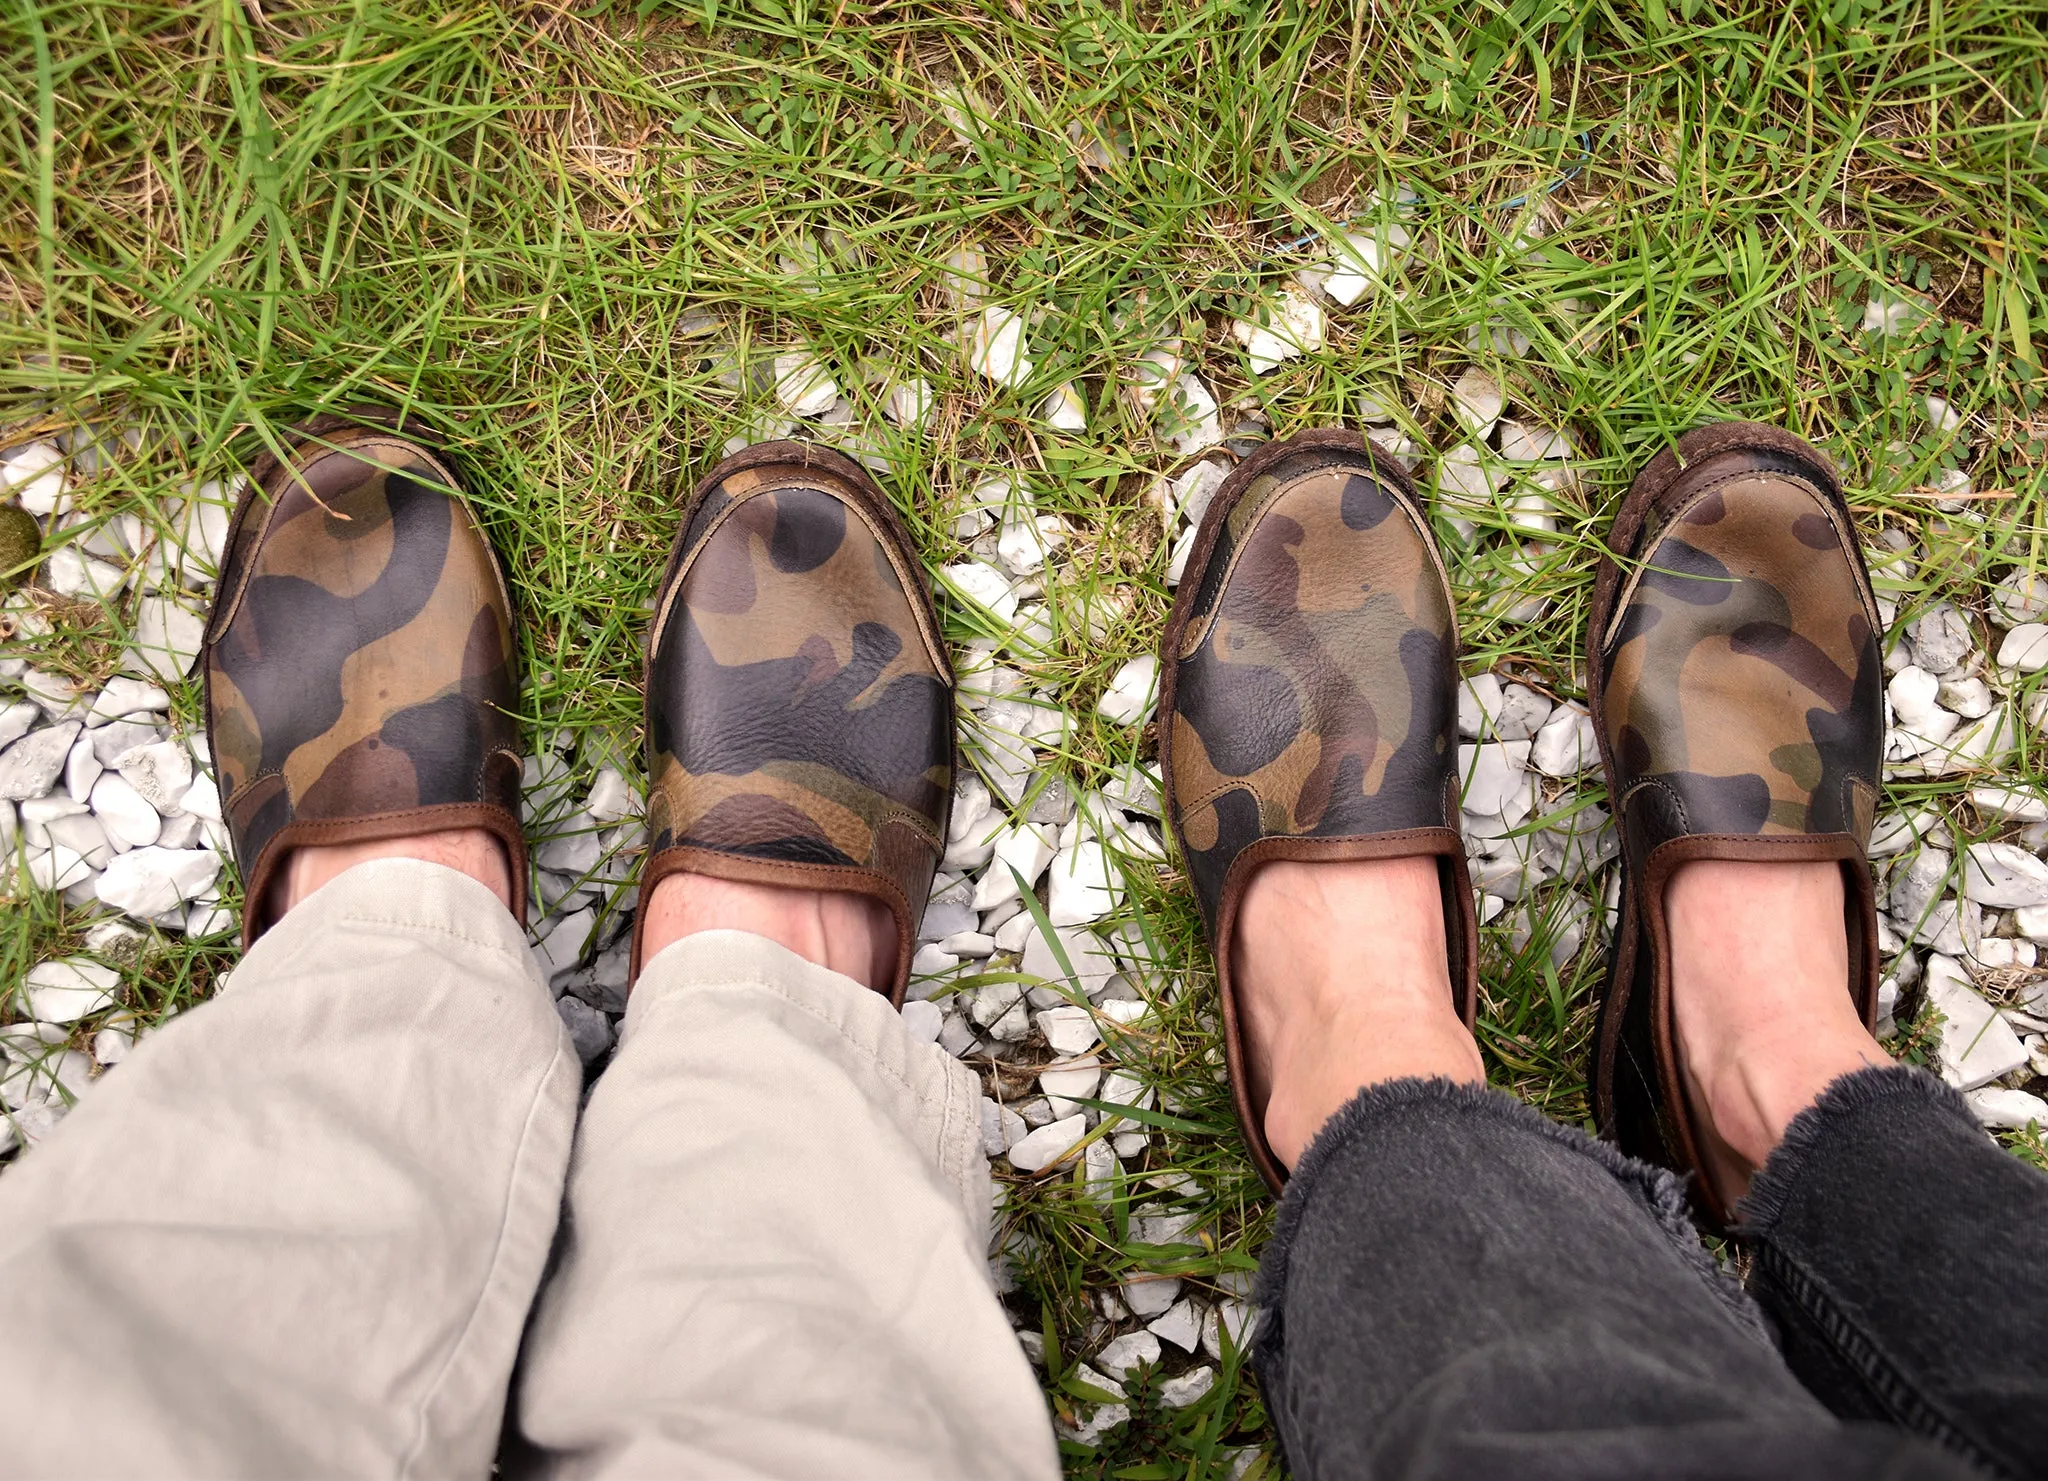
x,y
110,1045
1477,402
1082,887
116,739
123,698
910,404
922,1020
148,882
610,799
166,640
1066,410
1940,638
1969,698
36,475
16,719
997,348
129,820
160,773
2004,875
1479,702
1049,1144
1290,326
1231,1316
1068,1029
589,1030
1567,744
1134,691
81,769
803,384
2025,649
1152,1297
1027,849
2021,597
1522,713
2010,803
1187,1388
1133,1350
985,586
1915,887
1180,1324
29,768
1361,260
69,989
1977,1045
1494,775
1912,692
1063,1086
1994,1105
1897,832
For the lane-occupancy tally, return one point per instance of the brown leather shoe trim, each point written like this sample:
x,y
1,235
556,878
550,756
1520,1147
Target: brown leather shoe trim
x,y
1461,933
1860,909
744,869
372,828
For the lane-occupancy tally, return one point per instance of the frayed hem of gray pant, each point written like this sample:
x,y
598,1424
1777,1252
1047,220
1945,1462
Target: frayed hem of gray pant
x,y
1660,1193
1850,1095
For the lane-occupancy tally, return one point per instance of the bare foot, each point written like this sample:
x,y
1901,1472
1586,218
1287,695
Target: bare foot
x,y
854,935
473,851
1760,1000
1342,979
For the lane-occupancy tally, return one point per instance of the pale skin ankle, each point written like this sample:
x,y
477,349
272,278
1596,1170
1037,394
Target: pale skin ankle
x,y
471,851
1342,981
1760,999
854,935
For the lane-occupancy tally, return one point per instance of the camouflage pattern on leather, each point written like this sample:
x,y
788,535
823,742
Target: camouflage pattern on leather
x,y
1742,681
1316,692
799,701
359,659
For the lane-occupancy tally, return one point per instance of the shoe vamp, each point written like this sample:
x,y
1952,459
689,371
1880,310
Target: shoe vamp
x,y
369,663
796,711
1744,675
1319,700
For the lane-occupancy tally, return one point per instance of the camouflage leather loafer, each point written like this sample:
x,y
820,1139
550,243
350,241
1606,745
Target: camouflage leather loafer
x,y
359,659
1308,702
799,699
1737,688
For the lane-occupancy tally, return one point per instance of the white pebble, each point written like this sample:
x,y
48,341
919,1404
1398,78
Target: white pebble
x,y
1994,1105
803,384
1912,692
1049,1144
1134,691
996,348
147,882
2025,649
1065,410
922,1020
126,815
1567,744
68,989
2003,876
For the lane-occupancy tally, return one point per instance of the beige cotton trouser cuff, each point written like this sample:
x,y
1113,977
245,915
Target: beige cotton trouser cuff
x,y
300,1230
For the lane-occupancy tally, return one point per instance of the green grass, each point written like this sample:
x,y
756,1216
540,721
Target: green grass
x,y
517,224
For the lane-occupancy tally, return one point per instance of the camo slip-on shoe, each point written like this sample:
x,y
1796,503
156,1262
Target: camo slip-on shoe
x,y
1737,688
359,659
799,699
1308,699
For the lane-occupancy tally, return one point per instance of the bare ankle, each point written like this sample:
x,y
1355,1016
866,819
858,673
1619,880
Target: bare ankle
x,y
848,933
1342,980
471,851
1760,994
